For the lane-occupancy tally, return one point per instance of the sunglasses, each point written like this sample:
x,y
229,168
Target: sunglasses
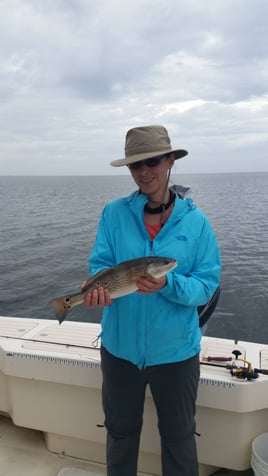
x,y
153,162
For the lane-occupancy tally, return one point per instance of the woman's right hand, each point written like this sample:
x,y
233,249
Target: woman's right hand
x,y
99,297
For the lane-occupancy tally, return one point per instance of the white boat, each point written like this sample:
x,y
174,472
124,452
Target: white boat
x,y
51,420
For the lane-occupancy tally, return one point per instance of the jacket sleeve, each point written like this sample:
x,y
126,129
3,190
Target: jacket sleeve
x,y
196,288
102,255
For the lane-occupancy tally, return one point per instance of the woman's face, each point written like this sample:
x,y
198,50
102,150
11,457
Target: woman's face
x,y
152,181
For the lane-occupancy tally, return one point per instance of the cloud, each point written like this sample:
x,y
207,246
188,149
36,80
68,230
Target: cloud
x,y
76,74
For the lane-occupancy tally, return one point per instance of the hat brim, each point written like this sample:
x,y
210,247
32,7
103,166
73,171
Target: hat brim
x,y
179,153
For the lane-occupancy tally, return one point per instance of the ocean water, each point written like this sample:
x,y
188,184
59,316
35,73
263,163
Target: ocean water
x,y
48,225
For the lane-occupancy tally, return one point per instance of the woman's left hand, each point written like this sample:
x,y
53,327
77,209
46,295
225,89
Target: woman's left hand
x,y
150,285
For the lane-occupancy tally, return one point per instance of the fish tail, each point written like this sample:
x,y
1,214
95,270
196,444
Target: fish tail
x,y
60,308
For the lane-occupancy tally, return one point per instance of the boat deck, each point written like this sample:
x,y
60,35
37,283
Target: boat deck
x,y
23,451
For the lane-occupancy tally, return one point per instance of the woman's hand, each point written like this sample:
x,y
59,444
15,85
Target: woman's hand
x,y
150,285
99,297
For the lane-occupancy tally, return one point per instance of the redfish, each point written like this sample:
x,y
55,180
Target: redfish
x,y
120,280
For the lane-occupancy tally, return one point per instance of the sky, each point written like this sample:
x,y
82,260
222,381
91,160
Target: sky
x,y
75,75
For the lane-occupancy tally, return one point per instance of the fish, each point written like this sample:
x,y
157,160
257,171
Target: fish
x,y
120,280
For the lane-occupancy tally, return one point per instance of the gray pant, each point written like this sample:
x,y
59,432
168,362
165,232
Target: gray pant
x,y
174,389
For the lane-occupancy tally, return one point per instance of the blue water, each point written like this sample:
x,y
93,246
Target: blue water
x,y
48,224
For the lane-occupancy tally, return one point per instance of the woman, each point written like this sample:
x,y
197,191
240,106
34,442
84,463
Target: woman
x,y
153,337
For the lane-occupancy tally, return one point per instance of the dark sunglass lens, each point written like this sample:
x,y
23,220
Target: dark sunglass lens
x,y
154,161
135,165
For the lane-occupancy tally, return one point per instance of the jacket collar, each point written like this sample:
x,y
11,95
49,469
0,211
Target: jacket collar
x,y
137,201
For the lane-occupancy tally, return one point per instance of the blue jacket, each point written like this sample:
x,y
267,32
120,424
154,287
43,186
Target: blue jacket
x,y
162,327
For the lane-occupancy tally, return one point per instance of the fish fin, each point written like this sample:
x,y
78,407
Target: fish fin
x,y
60,308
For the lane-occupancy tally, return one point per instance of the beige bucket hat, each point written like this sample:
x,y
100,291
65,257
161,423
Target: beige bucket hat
x,y
147,142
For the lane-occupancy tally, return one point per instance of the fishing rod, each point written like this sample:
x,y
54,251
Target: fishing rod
x,y
248,372
94,345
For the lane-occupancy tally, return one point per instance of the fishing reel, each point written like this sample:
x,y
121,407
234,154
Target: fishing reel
x,y
242,372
